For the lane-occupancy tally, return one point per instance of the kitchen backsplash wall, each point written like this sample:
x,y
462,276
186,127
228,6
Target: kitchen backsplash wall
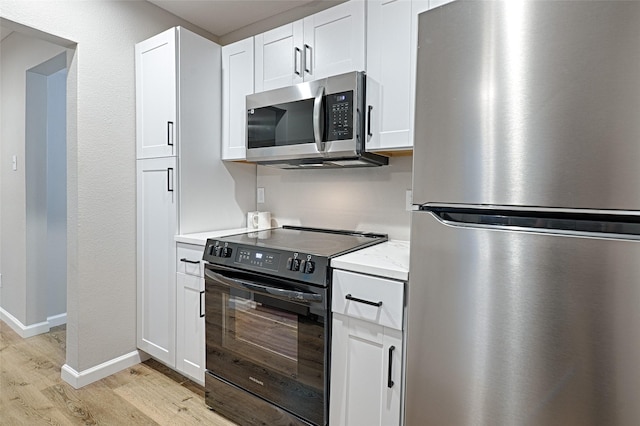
x,y
364,199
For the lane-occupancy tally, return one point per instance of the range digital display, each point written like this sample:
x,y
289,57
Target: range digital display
x,y
261,259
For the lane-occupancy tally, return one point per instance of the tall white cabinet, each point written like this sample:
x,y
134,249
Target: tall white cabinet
x,y
326,43
182,185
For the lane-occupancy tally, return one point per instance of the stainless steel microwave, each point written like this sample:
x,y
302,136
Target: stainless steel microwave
x,y
319,123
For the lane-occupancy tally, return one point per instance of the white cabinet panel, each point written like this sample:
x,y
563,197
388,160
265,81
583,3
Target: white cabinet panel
x,y
157,224
348,287
190,347
327,43
365,373
156,96
278,57
237,83
391,66
334,40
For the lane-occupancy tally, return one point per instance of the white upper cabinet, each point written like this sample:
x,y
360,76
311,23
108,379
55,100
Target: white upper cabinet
x,y
392,33
237,83
279,57
334,40
156,96
321,45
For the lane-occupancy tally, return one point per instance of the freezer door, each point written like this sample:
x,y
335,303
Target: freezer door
x,y
521,328
530,103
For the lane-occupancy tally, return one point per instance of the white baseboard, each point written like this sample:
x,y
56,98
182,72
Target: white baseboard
x,y
33,329
93,374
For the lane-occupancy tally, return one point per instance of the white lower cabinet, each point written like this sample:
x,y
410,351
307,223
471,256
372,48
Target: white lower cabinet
x,y
190,336
366,350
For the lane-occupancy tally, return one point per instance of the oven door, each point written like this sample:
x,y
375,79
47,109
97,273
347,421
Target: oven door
x,y
269,337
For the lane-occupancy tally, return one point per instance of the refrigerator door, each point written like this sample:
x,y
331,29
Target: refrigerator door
x,y
521,328
529,103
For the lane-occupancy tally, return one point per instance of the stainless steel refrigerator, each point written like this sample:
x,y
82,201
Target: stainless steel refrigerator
x,y
524,293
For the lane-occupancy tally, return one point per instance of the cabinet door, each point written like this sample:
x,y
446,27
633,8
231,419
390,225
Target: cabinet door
x,y
156,252
334,41
190,352
365,373
237,83
156,96
278,57
390,88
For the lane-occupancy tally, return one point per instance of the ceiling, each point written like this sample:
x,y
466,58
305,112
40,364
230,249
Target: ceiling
x,y
220,17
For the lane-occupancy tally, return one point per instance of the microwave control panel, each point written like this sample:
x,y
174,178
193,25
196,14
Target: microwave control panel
x,y
339,116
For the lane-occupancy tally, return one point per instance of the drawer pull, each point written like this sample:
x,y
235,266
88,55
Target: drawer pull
x,y
366,302
195,262
201,310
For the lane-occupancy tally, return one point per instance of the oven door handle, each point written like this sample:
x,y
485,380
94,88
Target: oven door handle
x,y
265,289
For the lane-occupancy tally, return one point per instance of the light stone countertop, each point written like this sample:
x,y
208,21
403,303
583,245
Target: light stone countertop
x,y
389,260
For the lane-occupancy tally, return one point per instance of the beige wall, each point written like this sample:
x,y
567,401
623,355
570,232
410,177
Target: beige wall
x,y
101,165
364,199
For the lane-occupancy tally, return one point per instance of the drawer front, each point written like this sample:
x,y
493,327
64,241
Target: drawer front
x,y
368,298
190,259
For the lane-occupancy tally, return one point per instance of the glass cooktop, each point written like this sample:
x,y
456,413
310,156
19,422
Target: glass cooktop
x,y
317,241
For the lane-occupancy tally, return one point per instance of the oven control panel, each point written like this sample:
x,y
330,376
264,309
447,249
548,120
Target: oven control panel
x,y
287,265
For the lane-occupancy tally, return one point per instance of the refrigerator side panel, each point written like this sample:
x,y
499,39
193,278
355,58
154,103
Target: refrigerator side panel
x,y
529,103
521,328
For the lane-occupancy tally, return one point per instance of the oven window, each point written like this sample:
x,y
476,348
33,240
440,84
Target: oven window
x,y
264,335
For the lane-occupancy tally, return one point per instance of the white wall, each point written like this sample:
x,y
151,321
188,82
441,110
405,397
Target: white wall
x,y
101,165
18,54
365,199
56,281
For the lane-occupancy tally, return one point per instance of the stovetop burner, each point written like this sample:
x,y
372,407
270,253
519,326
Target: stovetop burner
x,y
290,252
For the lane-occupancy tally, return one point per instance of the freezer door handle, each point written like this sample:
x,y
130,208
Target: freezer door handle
x,y
366,302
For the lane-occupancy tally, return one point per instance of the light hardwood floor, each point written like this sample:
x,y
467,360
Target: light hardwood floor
x,y
32,392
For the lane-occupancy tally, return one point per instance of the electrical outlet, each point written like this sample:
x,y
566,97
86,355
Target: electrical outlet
x,y
0,280
260,195
408,200
14,163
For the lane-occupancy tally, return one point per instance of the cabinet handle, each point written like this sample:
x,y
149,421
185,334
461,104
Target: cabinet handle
x,y
170,179
389,375
307,58
170,133
195,262
367,302
201,313
369,120
297,55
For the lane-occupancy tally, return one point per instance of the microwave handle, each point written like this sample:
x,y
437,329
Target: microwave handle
x,y
317,109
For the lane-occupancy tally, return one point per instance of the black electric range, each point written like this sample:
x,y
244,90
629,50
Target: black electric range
x,y
291,252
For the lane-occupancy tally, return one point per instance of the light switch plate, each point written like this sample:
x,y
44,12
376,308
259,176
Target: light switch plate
x,y
260,196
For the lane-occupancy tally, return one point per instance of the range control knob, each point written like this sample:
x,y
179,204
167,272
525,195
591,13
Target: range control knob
x,y
309,267
289,263
216,251
295,265
226,252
